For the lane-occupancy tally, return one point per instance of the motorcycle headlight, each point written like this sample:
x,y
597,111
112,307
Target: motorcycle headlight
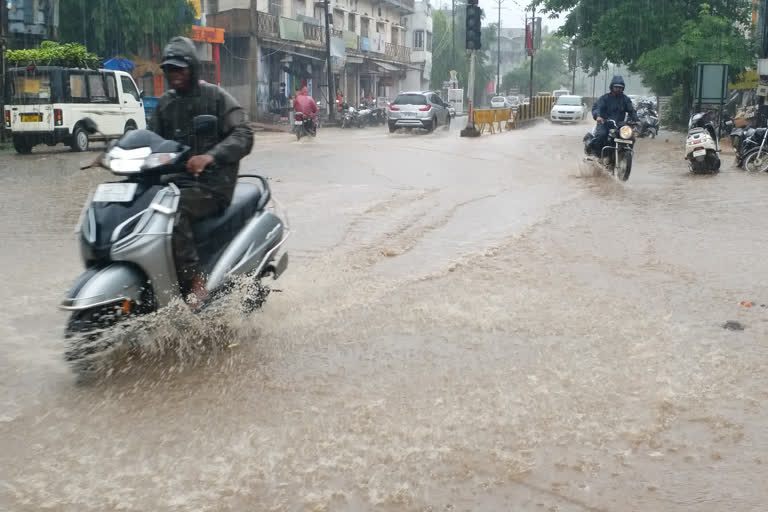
x,y
158,159
626,132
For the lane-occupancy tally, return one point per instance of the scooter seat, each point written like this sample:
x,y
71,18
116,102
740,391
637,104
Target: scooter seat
x,y
214,233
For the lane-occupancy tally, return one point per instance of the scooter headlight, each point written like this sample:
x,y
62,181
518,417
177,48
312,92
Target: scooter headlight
x,y
158,159
626,132
126,161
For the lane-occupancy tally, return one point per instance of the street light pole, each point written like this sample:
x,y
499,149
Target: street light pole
x,y
331,88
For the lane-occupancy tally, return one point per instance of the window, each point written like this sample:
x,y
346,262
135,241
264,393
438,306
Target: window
x,y
395,39
213,6
111,87
351,22
77,90
379,12
418,40
128,87
276,7
364,24
98,92
380,27
429,41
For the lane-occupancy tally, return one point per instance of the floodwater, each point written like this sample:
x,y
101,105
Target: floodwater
x,y
465,325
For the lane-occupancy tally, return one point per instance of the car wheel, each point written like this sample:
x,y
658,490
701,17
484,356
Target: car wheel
x,y
431,126
392,128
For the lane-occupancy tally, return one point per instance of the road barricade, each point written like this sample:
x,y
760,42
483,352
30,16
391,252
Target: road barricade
x,y
540,106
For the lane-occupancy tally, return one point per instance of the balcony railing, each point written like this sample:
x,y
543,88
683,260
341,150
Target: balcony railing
x,y
314,34
267,25
405,5
397,52
241,22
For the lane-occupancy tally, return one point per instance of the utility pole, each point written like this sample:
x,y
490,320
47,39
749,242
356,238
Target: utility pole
x,y
331,87
453,32
498,50
533,46
3,48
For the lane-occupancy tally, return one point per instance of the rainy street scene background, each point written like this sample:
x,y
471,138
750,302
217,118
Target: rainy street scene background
x,y
510,262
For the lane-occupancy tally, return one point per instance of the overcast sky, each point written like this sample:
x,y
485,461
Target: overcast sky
x,y
512,14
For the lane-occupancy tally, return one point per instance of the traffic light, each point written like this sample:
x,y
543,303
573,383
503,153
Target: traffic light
x,y
474,15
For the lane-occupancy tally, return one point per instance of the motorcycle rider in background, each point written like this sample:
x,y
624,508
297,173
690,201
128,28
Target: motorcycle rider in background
x,y
306,104
615,106
207,189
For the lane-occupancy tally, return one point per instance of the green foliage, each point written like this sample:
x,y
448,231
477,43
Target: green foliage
x,y
550,68
661,40
127,27
444,59
54,54
706,38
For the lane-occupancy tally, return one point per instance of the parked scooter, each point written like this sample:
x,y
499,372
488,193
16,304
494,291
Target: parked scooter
x,y
702,148
125,237
755,152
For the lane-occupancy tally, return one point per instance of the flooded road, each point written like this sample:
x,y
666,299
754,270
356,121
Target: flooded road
x,y
465,325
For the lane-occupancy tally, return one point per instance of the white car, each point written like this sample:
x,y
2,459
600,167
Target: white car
x,y
569,108
499,102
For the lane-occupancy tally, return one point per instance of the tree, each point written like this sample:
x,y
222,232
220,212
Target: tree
x,y
550,67
130,27
661,40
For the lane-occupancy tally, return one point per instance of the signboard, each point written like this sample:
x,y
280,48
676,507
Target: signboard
x,y
208,34
456,100
711,83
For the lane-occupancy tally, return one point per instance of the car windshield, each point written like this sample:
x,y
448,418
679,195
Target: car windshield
x,y
410,99
568,100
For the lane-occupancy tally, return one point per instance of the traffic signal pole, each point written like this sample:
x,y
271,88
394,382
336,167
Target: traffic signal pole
x,y
473,44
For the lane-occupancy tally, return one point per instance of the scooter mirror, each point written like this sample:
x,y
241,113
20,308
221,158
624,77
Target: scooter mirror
x,y
205,126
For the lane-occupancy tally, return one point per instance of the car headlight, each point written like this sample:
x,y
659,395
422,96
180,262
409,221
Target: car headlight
x,y
626,132
158,159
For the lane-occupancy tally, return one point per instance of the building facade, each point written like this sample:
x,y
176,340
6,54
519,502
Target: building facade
x,y
273,47
32,21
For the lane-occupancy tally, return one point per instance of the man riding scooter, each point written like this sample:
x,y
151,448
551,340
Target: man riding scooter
x,y
614,106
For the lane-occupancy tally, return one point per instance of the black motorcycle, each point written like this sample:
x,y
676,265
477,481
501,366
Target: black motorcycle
x,y
616,156
649,120
304,125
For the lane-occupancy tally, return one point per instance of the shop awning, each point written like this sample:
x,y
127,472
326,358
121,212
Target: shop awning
x,y
351,59
282,49
387,67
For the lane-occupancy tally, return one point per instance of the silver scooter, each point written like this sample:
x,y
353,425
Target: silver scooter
x,y
125,233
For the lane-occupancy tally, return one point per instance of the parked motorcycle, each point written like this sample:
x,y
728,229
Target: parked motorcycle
x,y
616,156
755,152
349,116
702,148
304,125
649,120
125,234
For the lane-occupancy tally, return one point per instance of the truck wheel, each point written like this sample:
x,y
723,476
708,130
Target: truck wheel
x,y
22,145
80,140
